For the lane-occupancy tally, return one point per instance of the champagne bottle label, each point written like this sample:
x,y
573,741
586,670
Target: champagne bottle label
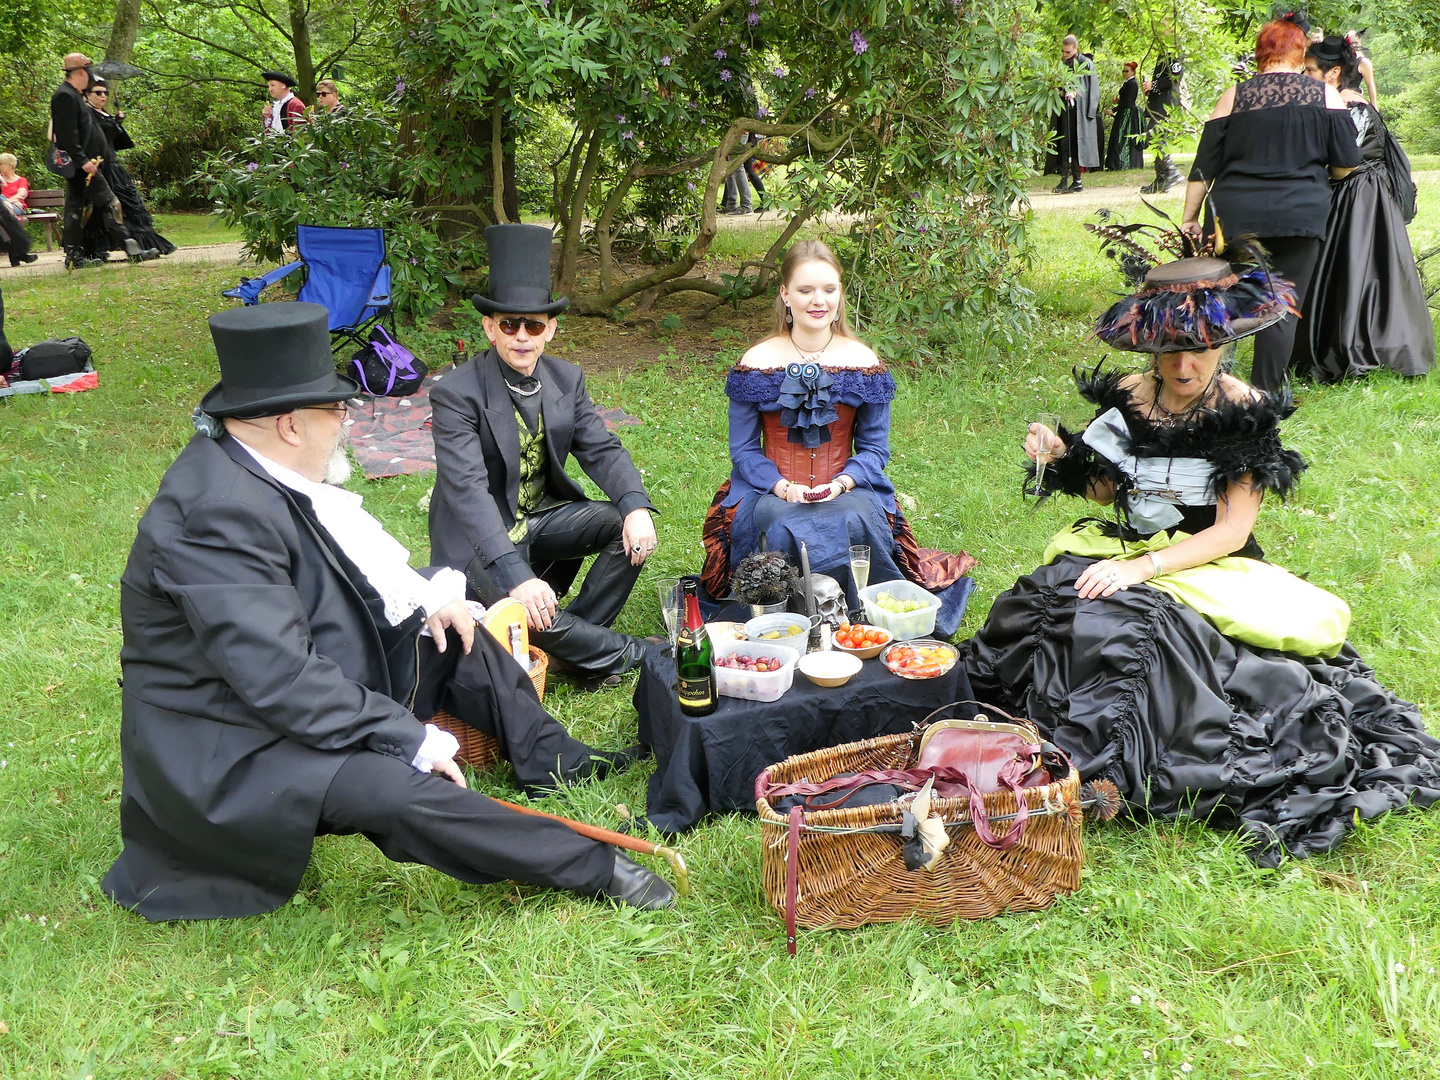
x,y
696,693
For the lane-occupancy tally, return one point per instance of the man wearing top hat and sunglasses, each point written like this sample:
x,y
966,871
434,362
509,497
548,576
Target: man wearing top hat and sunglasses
x,y
504,510
280,658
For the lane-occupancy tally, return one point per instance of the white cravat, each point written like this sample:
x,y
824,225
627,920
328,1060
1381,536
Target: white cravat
x,y
275,125
386,565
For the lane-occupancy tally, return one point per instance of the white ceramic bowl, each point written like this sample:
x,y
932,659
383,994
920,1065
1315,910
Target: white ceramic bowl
x,y
829,668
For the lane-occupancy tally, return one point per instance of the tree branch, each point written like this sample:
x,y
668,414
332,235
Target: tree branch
x,y
497,159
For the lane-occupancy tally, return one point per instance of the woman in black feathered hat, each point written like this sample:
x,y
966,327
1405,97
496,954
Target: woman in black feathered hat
x,y
1159,649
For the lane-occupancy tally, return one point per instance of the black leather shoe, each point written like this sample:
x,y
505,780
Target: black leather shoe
x,y
1076,186
82,262
634,886
26,259
1061,188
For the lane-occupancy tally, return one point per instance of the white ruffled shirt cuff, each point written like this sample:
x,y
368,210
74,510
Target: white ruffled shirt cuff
x,y
447,585
438,746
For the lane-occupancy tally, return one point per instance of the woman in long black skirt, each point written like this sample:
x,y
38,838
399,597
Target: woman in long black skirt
x,y
132,206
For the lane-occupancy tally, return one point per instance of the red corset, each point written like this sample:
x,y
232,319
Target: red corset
x,y
798,463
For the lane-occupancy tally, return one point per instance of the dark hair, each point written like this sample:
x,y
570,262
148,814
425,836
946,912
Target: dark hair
x,y
1279,42
1335,52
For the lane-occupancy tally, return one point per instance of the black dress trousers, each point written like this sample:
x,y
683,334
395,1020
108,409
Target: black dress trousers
x,y
424,818
1292,257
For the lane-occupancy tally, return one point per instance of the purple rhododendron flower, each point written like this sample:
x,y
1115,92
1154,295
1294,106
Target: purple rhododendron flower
x,y
753,18
725,75
809,93
620,119
922,229
689,185
399,86
251,166
858,42
627,134
414,261
754,3
664,61
719,54
780,73
762,112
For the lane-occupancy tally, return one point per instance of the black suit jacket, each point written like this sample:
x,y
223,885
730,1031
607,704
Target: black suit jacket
x,y
253,666
477,458
75,131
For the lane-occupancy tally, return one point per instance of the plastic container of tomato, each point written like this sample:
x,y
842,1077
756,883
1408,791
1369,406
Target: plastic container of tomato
x,y
755,685
920,658
911,624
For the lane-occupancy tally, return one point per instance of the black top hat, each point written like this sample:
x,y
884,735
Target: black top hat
x,y
278,76
1199,303
274,358
519,272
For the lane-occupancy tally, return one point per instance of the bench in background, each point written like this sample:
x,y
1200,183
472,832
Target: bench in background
x,y
45,206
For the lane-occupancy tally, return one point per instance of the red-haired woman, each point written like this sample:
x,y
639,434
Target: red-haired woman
x,y
1269,150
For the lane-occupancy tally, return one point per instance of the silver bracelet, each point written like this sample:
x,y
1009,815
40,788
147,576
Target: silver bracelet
x,y
1155,562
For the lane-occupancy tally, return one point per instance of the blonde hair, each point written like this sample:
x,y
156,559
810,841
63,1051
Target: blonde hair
x,y
9,159
799,254
327,84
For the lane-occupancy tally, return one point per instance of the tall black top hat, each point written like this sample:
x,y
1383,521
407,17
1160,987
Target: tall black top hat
x,y
519,272
278,76
274,358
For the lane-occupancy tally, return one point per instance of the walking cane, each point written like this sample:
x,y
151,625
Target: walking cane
x,y
606,836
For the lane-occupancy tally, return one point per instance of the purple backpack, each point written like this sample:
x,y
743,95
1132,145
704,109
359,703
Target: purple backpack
x,y
385,368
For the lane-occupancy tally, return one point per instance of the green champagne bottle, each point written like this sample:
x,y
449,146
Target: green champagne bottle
x,y
694,667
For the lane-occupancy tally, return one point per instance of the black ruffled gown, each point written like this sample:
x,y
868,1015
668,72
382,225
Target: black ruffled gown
x,y
1127,136
1367,307
1143,691
133,211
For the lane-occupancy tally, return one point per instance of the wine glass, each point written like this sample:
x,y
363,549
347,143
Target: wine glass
x,y
860,566
670,600
1051,422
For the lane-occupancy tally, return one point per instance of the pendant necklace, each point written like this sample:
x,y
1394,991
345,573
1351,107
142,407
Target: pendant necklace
x,y
1171,418
811,357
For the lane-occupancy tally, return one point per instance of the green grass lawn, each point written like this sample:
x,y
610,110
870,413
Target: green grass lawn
x,y
1175,958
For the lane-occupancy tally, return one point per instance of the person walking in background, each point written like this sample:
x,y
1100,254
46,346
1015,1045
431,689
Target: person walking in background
x,y
736,200
1366,309
86,192
284,110
327,98
1267,155
1077,142
753,169
1364,68
134,213
1162,93
1127,146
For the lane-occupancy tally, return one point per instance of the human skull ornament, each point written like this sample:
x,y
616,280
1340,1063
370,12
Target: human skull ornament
x,y
829,600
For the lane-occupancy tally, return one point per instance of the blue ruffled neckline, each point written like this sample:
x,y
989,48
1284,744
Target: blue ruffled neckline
x,y
873,385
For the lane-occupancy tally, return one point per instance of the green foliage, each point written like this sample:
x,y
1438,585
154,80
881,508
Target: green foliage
x,y
341,169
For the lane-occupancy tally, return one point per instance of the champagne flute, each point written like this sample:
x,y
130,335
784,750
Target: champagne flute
x,y
860,566
1051,422
670,600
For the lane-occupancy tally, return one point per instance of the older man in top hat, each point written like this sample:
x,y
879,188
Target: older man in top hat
x,y
284,110
504,510
280,657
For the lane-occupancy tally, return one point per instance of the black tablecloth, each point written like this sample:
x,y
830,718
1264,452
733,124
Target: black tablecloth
x,y
710,762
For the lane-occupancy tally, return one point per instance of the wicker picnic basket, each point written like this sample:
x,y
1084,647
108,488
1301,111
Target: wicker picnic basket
x,y
477,749
847,878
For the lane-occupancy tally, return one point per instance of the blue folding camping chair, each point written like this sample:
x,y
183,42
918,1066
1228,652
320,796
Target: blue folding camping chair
x,y
345,271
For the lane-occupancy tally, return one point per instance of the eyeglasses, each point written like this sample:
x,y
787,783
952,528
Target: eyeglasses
x,y
533,327
338,407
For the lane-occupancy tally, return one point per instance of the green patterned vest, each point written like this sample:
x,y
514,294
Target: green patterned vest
x,y
532,475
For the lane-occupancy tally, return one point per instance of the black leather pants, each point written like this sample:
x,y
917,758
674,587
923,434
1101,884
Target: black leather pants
x,y
580,638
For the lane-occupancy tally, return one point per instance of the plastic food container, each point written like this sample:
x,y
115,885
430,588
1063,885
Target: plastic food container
x,y
911,624
758,627
755,685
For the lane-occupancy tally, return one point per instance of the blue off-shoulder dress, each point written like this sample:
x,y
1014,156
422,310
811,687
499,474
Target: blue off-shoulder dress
x,y
809,423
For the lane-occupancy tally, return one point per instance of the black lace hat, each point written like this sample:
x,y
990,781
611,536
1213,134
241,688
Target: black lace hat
x,y
274,358
519,258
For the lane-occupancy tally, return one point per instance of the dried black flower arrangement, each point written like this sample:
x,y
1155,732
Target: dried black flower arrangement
x,y
765,577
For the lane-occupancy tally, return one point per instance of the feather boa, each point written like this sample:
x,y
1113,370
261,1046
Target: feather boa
x,y
1238,438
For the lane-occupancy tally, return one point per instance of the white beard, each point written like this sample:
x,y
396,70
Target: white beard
x,y
337,465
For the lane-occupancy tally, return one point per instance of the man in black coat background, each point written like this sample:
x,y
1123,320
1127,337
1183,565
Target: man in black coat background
x,y
504,510
276,676
1162,93
77,133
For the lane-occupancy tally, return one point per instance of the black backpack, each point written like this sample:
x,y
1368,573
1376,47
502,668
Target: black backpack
x,y
53,358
